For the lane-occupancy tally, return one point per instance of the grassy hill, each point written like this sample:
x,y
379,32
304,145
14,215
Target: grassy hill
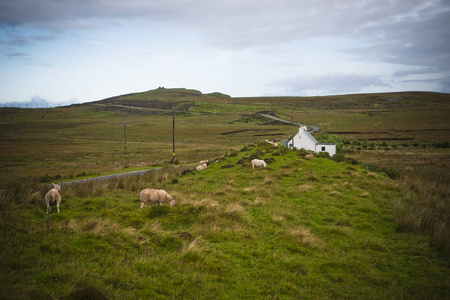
x,y
300,228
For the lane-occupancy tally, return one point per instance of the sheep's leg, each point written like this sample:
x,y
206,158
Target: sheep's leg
x,y
57,207
142,204
48,207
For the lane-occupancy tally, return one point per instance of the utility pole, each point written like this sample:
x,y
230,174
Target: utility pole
x,y
173,132
293,132
125,136
182,123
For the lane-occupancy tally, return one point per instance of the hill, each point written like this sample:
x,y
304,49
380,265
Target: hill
x,y
162,98
300,228
183,99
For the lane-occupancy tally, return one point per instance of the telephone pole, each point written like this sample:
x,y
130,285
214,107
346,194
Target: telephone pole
x,y
125,136
173,132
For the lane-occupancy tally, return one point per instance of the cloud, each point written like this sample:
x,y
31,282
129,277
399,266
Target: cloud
x,y
16,54
400,31
15,40
412,35
420,39
421,71
330,84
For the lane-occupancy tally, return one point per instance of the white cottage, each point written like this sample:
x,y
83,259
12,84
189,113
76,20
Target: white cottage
x,y
303,139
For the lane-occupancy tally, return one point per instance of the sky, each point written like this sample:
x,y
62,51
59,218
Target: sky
x,y
57,52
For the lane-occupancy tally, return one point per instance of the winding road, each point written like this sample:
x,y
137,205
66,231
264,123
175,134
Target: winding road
x,y
313,128
106,177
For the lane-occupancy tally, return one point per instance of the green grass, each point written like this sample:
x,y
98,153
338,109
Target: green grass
x,y
299,228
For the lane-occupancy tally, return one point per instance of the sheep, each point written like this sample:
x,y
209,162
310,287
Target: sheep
x,y
53,197
204,162
272,143
155,196
201,167
258,163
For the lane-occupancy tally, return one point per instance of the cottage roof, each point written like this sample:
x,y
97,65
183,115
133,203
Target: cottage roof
x,y
311,137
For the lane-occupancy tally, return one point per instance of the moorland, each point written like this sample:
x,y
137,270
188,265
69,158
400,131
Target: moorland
x,y
371,222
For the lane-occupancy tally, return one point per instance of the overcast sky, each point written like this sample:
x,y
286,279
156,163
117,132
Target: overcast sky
x,y
73,51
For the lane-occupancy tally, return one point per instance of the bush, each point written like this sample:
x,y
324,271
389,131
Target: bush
x,y
323,155
227,166
302,153
269,160
256,155
233,153
442,145
244,160
392,174
332,138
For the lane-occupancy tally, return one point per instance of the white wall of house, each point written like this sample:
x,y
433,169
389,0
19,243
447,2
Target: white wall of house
x,y
330,148
304,140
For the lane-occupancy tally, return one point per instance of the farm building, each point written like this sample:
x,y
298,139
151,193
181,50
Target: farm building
x,y
303,139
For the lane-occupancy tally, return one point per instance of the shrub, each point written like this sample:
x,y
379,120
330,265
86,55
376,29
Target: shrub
x,y
257,154
233,153
323,155
269,160
227,166
442,145
332,138
244,160
392,174
302,153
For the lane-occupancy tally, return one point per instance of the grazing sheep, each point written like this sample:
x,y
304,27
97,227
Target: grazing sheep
x,y
204,162
258,163
155,196
53,197
201,167
272,143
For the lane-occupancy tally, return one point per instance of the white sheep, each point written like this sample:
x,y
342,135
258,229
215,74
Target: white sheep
x,y
201,167
204,162
258,163
155,196
53,197
272,143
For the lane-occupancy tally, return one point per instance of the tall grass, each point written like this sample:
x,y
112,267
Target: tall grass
x,y
296,229
22,194
426,207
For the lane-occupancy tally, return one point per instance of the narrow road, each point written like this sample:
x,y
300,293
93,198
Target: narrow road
x,y
133,107
313,128
106,177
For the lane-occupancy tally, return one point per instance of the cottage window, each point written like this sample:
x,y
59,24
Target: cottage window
x,y
323,148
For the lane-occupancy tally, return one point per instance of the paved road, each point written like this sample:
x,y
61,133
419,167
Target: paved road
x,y
313,128
133,107
106,177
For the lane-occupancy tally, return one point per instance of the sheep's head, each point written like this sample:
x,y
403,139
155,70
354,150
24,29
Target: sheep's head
x,y
57,187
172,201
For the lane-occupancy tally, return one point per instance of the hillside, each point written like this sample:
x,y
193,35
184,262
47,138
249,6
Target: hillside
x,y
162,98
300,228
183,99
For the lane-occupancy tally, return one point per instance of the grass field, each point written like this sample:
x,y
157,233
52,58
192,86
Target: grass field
x,y
298,229
301,228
